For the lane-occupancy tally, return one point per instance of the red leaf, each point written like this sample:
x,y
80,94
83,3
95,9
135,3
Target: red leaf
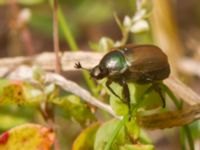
x,y
4,138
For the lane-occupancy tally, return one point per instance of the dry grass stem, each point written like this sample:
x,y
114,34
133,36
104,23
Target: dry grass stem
x,y
89,59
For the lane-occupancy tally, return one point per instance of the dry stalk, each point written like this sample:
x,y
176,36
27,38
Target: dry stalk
x,y
175,118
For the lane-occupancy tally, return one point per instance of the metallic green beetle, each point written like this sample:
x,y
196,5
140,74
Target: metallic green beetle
x,y
140,64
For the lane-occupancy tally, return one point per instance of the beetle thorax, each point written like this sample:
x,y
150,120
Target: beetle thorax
x,y
114,62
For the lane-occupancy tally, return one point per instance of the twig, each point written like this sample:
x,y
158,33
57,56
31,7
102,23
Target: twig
x,y
77,90
56,36
189,66
89,59
179,89
47,61
57,57
25,73
182,91
164,120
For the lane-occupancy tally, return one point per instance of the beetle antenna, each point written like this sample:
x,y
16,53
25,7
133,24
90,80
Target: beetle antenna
x,y
79,66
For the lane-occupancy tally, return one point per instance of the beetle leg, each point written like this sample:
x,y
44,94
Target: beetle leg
x,y
126,95
108,82
159,91
125,91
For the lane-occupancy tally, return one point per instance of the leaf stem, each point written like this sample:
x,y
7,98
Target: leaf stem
x,y
56,36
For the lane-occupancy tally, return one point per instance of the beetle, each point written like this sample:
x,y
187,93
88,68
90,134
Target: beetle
x,y
141,64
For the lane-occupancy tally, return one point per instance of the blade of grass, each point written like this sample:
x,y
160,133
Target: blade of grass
x,y
171,95
116,131
74,47
66,30
189,136
182,139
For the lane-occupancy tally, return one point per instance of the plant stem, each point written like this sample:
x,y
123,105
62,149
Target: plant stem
x,y
182,139
74,47
56,36
171,95
57,66
189,136
116,131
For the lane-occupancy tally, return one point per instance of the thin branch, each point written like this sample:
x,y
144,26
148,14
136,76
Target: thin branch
x,y
88,60
56,36
189,66
47,61
74,88
182,91
155,121
25,73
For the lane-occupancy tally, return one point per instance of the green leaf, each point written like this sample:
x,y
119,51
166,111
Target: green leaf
x,y
144,138
85,140
27,137
105,132
195,129
30,2
18,92
151,101
3,83
75,108
13,93
10,121
117,105
133,129
51,91
38,73
137,147
32,95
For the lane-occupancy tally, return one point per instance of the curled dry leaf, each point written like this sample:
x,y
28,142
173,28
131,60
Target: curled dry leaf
x,y
169,119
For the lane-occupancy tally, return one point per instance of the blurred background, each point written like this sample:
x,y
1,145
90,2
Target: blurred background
x,y
26,26
26,29
89,20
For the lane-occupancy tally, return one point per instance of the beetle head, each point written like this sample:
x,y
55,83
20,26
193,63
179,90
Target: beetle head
x,y
98,73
